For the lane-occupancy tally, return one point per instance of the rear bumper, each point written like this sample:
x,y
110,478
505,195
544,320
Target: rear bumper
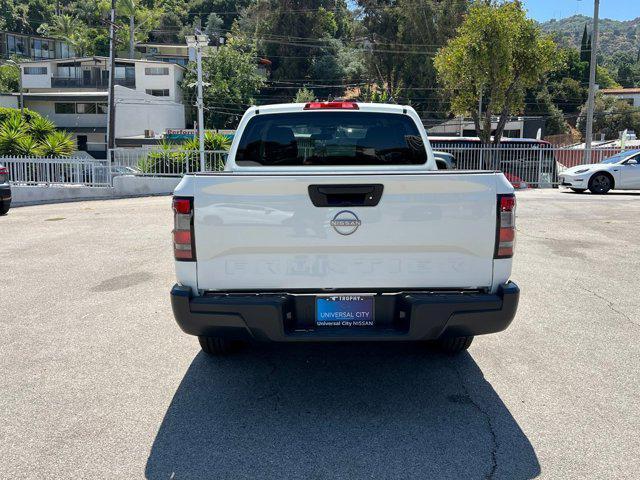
x,y
282,317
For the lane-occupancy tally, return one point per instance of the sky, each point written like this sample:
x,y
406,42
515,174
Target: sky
x,y
543,10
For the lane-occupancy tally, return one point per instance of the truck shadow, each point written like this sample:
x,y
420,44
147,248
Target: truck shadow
x,y
338,411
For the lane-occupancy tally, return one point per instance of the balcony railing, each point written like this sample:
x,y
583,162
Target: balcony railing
x,y
74,82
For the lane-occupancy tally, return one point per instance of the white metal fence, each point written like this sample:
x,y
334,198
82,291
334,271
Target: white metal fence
x,y
52,171
164,162
533,165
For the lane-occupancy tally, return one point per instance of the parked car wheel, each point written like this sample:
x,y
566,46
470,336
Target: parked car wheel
x,y
454,345
579,190
4,208
600,183
217,346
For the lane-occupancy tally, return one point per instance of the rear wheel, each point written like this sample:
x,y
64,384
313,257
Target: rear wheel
x,y
600,183
454,345
579,190
4,207
218,346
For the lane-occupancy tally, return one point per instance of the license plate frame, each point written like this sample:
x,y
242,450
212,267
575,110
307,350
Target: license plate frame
x,y
345,311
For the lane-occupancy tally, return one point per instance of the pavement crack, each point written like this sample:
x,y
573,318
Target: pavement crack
x,y
610,305
494,439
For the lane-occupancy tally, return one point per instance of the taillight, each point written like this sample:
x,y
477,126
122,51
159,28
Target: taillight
x,y
333,105
506,226
183,238
4,174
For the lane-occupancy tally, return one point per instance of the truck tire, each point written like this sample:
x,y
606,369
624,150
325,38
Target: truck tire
x,y
217,346
600,183
454,345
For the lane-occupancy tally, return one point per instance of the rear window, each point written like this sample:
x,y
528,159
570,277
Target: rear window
x,y
331,138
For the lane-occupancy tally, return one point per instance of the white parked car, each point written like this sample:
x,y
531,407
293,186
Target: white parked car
x,y
620,172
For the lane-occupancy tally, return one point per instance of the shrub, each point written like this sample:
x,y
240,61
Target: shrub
x,y
28,146
29,134
57,144
40,128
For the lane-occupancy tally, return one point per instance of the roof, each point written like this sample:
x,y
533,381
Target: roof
x,y
171,45
66,95
618,91
99,58
33,35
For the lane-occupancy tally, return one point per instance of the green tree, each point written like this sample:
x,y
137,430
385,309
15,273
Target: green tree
x,y
9,78
141,21
302,44
585,46
497,54
610,117
232,79
304,95
214,28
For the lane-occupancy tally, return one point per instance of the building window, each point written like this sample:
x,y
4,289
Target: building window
x,y
35,70
63,50
69,72
65,107
156,71
17,45
158,92
86,107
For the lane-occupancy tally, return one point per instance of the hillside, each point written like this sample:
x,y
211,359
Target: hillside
x,y
615,36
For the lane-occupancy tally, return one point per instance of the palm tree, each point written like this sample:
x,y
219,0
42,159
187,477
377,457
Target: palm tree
x,y
67,28
128,8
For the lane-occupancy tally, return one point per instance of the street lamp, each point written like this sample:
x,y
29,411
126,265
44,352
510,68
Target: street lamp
x,y
198,41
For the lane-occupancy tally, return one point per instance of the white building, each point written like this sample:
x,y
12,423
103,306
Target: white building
x,y
464,127
73,94
630,95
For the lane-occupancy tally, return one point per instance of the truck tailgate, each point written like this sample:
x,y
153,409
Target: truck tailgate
x,y
262,232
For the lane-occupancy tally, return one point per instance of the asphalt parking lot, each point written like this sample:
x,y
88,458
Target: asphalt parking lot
x,y
98,382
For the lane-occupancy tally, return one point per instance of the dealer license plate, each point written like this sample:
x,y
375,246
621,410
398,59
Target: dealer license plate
x,y
345,311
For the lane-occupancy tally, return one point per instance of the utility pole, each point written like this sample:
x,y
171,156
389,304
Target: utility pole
x,y
111,115
198,41
592,83
200,106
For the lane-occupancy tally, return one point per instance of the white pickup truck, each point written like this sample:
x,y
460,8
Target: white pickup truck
x,y
331,222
